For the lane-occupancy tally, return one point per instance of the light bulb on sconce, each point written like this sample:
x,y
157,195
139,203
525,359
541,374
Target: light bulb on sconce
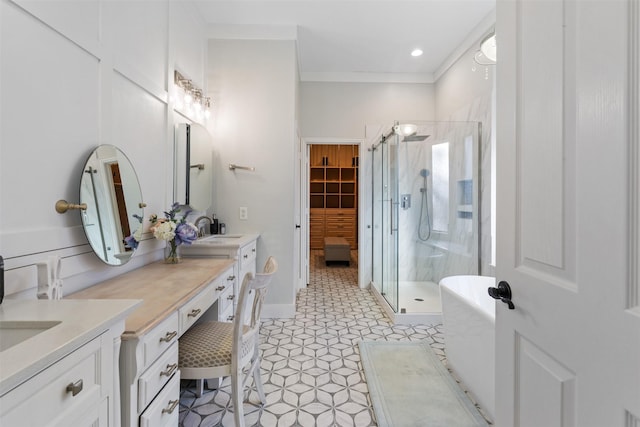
x,y
192,101
197,100
188,94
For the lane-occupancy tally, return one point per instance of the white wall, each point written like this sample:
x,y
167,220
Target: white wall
x,y
466,95
342,110
345,111
253,85
460,86
75,75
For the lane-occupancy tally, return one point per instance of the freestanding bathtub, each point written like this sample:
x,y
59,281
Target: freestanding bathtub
x,y
468,314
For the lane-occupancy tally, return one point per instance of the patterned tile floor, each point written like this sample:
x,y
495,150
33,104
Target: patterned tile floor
x,y
311,366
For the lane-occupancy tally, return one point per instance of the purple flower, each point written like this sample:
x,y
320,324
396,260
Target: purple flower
x,y
185,233
131,242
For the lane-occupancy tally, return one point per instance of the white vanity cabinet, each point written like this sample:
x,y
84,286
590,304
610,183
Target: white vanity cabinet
x,y
66,375
174,298
240,248
65,391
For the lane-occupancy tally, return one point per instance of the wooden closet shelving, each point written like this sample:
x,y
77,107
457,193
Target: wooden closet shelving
x,y
333,193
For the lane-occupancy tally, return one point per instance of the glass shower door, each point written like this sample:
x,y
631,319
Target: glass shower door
x,y
385,216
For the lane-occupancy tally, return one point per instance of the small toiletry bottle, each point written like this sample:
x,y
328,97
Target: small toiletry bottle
x,y
213,229
223,228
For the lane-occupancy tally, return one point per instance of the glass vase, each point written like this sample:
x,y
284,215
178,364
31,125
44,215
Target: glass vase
x,y
171,253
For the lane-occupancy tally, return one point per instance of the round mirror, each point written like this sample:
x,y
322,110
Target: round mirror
x,y
113,218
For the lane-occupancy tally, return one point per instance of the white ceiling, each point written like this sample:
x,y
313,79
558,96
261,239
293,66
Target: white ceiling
x,y
371,39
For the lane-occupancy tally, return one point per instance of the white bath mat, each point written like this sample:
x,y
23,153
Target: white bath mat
x,y
409,386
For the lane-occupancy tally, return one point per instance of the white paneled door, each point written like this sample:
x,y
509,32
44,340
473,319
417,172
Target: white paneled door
x,y
568,354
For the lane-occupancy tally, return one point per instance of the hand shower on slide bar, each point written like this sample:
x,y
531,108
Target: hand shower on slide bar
x,y
424,207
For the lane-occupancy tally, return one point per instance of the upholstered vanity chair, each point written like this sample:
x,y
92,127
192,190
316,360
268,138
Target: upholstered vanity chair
x,y
220,349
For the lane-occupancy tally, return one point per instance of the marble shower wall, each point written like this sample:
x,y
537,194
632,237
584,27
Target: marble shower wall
x,y
453,248
457,252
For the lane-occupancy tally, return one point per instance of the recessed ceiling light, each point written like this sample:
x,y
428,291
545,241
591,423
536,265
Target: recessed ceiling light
x,y
416,52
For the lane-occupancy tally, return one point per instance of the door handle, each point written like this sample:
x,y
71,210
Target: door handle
x,y
502,293
297,225
391,216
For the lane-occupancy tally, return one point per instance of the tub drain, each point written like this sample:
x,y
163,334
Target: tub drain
x,y
418,299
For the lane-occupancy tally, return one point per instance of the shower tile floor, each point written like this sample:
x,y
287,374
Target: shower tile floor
x,y
419,297
311,366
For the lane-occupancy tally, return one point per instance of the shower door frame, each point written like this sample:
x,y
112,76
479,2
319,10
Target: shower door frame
x,y
385,232
386,272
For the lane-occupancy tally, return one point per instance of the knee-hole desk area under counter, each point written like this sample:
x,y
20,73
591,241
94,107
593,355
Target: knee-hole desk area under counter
x,y
174,297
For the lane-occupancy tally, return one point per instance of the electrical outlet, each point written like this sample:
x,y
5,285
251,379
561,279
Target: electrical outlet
x,y
244,212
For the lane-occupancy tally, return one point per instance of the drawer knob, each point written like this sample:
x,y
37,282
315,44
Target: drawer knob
x,y
172,406
231,297
194,312
75,388
169,336
253,250
170,370
246,255
231,278
220,288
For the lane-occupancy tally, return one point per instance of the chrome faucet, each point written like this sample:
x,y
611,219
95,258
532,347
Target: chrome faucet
x,y
201,231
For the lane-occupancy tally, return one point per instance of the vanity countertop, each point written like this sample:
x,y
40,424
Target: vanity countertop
x,y
162,287
216,245
79,322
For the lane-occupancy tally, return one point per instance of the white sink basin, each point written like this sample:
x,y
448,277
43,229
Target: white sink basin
x,y
15,332
215,245
215,237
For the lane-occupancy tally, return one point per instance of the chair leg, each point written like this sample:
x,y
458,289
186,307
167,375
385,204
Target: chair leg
x,y
199,387
258,381
236,395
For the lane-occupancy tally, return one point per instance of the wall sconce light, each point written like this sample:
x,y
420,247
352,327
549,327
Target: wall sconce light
x,y
190,97
486,55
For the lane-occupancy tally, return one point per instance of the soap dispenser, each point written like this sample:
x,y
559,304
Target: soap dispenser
x,y
213,229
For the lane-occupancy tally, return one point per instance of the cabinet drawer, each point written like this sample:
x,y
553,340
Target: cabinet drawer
x,y
164,410
195,308
344,221
348,228
160,338
226,315
316,243
226,299
65,388
316,221
247,254
97,416
228,279
157,376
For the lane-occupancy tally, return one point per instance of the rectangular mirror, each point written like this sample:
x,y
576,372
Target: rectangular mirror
x,y
193,178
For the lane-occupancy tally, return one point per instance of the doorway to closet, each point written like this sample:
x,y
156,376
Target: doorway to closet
x,y
333,205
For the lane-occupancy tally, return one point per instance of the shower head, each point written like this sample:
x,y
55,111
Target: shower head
x,y
424,173
414,137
